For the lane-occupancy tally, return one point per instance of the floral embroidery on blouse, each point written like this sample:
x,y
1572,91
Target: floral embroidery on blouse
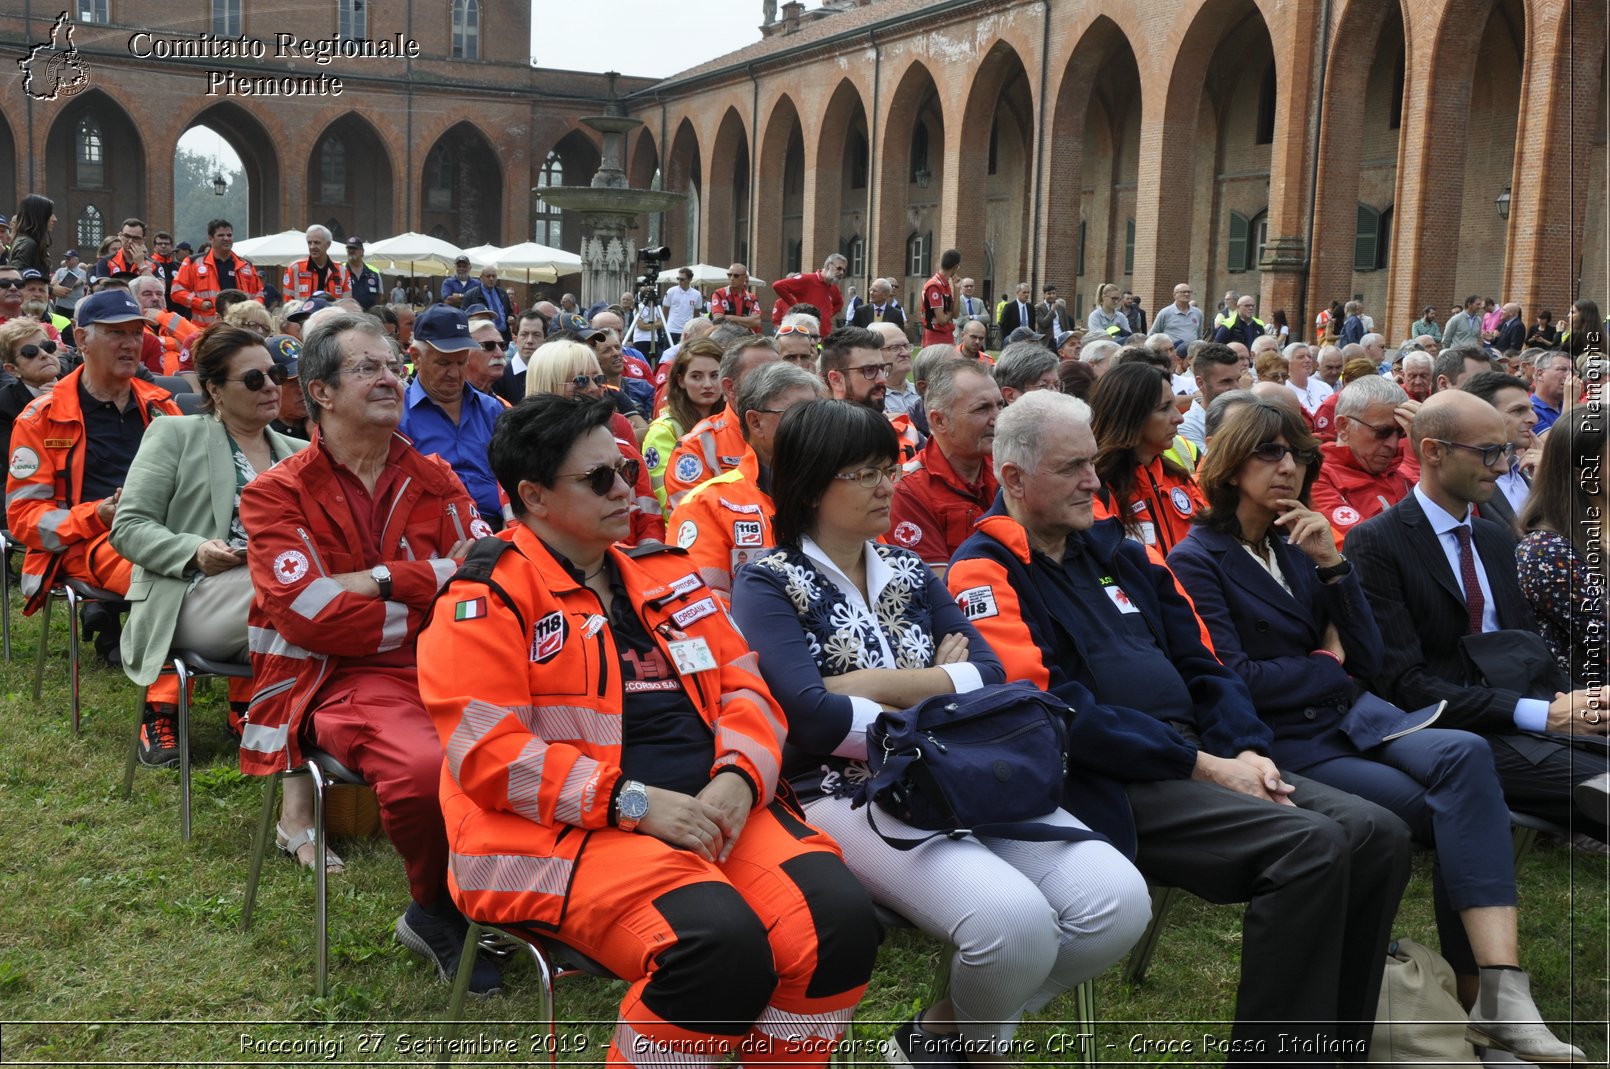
x,y
1567,597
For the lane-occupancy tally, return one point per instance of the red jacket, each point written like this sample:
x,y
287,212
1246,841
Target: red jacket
x,y
933,510
302,623
807,289
1347,495
937,297
299,282
196,286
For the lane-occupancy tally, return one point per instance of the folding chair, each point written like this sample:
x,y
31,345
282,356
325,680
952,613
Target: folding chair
x,y
8,545
72,591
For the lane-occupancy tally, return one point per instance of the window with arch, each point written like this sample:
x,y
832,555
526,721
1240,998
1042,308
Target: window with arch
x,y
440,233
545,219
466,29
919,253
226,18
919,154
333,172
91,226
338,233
94,11
91,153
1266,107
439,180
1248,236
353,18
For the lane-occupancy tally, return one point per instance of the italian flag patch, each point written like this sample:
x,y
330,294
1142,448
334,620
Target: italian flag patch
x,y
474,609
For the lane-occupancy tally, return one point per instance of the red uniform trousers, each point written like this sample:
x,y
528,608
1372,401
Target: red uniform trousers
x,y
372,720
731,953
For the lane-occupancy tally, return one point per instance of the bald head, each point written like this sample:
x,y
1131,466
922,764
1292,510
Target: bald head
x,y
892,335
1450,431
1453,415
1277,392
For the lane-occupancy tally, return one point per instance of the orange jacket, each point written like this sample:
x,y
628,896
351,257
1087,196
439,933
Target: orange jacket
x,y
910,437
1163,507
175,332
302,623
196,285
714,445
533,733
298,282
44,487
725,522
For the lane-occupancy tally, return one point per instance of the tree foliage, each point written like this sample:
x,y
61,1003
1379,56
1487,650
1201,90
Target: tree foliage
x,y
195,203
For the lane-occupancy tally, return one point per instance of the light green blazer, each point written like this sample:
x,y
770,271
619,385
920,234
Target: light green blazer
x,y
180,492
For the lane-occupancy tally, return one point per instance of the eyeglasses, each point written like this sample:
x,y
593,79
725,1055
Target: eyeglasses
x,y
262,328
10,283
129,237
1392,430
872,372
785,331
31,350
1274,453
492,346
581,382
869,478
1490,454
601,480
897,347
371,370
253,380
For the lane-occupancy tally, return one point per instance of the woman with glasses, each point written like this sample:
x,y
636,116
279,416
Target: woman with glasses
x,y
178,522
1135,420
570,369
693,392
252,316
1288,614
847,626
32,358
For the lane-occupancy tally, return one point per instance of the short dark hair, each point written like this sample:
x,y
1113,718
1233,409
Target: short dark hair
x,y
383,314
163,235
814,440
1253,423
836,347
1077,377
1450,362
213,225
1212,353
949,258
531,440
1486,384
214,350
227,299
131,221
532,313
804,309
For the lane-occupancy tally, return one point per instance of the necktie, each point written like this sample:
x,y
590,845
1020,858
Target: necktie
x,y
877,314
1474,602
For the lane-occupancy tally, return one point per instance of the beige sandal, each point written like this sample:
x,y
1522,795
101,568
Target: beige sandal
x,y
291,846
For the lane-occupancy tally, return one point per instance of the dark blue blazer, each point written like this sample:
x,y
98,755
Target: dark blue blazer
x,y
1267,637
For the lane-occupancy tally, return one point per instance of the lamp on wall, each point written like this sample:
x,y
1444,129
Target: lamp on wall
x,y
1501,202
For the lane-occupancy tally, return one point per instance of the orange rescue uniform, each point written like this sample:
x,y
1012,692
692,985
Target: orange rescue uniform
x,y
196,286
725,522
1164,504
714,445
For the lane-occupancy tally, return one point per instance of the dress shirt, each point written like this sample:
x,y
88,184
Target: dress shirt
x,y
463,444
1513,485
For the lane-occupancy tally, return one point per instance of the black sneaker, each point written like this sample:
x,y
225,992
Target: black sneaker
x,y
159,737
441,941
914,1045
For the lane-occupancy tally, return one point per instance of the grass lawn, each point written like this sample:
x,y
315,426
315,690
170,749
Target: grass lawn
x,y
119,943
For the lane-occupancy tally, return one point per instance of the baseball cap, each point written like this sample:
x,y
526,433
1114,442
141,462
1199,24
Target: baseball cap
x,y
479,309
307,308
462,260
108,306
589,335
1063,337
354,243
444,327
72,254
183,246
1024,334
32,274
286,351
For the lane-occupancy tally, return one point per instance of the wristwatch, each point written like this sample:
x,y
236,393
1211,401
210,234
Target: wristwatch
x,y
382,577
631,805
1340,568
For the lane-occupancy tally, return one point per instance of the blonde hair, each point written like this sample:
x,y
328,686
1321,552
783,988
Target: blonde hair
x,y
246,313
555,363
12,335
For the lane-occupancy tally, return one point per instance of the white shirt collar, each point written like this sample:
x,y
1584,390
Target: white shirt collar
x,y
1442,521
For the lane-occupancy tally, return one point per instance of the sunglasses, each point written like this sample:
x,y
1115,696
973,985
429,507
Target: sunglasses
x,y
253,380
1391,430
601,480
783,332
31,351
492,346
1490,454
10,283
1274,453
581,382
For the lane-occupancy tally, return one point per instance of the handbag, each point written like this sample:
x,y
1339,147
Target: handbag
x,y
1418,1018
981,763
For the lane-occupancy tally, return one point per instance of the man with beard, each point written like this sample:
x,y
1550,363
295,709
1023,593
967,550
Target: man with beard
x,y
855,369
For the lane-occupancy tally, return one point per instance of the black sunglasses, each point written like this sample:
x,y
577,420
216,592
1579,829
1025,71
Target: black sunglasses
x,y
1274,453
31,351
253,379
581,382
601,480
10,283
492,346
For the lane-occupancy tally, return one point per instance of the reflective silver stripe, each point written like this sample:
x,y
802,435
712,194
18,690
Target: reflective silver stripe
x,y
579,783
778,728
717,579
647,503
397,499
641,1050
315,598
31,583
269,691
570,722
763,760
707,442
47,527
444,567
477,719
525,780
512,873
30,492
395,630
261,739
271,643
798,1026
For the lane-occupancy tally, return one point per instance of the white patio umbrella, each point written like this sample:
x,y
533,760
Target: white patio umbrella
x,y
413,254
530,262
706,275
280,249
482,255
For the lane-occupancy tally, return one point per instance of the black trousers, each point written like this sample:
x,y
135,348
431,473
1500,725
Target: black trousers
x,y
1538,775
1321,880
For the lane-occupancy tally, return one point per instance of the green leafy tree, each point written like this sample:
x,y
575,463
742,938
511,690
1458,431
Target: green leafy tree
x,y
194,202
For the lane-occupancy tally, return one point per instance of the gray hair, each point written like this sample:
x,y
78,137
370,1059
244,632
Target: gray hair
x,y
1291,350
1161,342
724,334
1264,343
1372,339
765,384
1094,352
697,327
1219,409
323,354
1417,358
923,364
1360,394
941,389
733,355
1021,364
1020,429
1546,357
139,283
321,230
801,319
835,258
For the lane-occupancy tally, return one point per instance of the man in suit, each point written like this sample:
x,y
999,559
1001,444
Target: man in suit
x,y
879,307
1017,313
1511,332
1051,315
1509,395
1435,573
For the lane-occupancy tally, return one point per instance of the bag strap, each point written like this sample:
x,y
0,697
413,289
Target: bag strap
x,y
1025,830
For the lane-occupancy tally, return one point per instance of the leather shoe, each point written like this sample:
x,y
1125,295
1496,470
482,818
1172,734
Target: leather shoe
x,y
1505,1017
1592,796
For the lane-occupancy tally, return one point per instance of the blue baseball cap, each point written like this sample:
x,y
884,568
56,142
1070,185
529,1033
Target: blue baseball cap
x,y
108,306
286,351
444,327
307,308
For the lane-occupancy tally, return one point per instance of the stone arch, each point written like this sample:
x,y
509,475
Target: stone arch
x,y
780,194
910,191
727,201
254,144
461,187
684,175
571,161
1091,193
349,180
838,173
1000,105
116,189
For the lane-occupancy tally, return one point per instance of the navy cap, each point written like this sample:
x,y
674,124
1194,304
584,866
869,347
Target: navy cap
x,y
444,327
354,243
479,309
1024,334
183,246
32,274
286,351
307,308
72,254
108,306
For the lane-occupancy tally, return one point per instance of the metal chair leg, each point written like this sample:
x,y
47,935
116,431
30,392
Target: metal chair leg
x,y
72,651
1141,956
1085,1015
265,818
5,593
44,645
183,672
461,987
1522,840
320,899
134,743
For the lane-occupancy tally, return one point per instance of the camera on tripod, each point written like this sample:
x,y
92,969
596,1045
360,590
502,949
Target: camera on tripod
x,y
648,283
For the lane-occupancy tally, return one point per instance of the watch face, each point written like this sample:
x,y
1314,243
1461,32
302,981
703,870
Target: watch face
x,y
634,802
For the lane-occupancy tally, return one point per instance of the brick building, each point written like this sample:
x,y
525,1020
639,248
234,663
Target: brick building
x,y
1301,150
